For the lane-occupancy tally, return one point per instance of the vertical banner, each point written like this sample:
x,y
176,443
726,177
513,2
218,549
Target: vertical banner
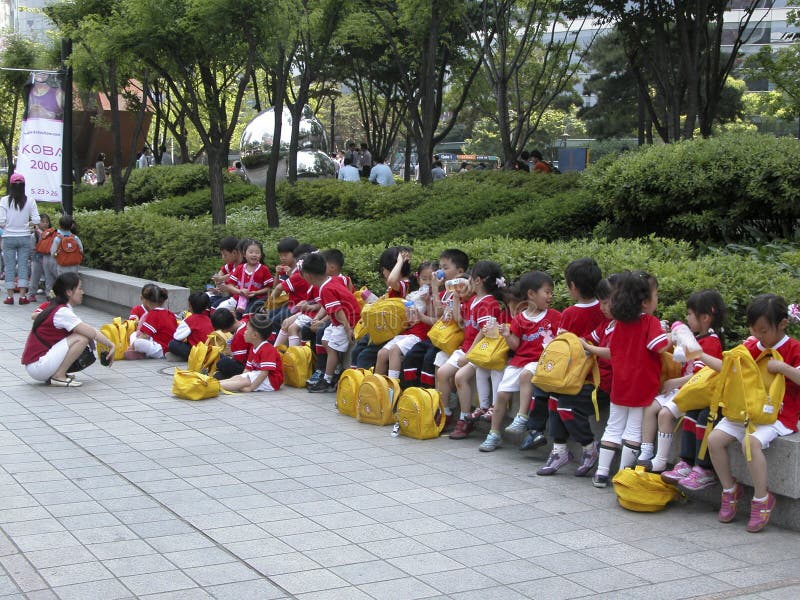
x,y
39,156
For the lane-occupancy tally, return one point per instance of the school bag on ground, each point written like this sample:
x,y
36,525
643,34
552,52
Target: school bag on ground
x,y
191,385
203,358
748,394
382,320
68,253
640,491
119,332
221,340
419,413
376,399
298,364
45,243
564,366
347,391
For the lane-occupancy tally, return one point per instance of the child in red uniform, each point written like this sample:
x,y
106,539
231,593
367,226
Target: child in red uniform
x,y
705,314
233,360
635,349
194,328
296,288
140,310
250,281
341,306
263,371
767,316
486,281
232,258
582,318
156,327
525,336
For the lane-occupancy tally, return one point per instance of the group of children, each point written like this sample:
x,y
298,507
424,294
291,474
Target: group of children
x,y
309,299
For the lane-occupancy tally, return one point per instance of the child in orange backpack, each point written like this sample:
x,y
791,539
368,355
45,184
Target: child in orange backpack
x,y
67,248
767,317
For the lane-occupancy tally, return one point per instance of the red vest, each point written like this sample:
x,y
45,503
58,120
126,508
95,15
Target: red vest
x,y
50,335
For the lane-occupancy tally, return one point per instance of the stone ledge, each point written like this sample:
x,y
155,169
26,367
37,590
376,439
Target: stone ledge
x,y
116,294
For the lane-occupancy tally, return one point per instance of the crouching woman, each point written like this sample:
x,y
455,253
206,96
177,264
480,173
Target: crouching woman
x,y
58,337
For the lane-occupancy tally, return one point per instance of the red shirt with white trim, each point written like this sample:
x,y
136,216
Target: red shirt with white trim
x,y
137,312
789,349
478,312
334,296
636,361
296,287
711,345
239,347
531,332
582,319
405,287
245,279
194,329
160,324
264,357
601,337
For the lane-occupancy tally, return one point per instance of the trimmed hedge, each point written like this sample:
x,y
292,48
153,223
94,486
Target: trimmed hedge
x,y
723,188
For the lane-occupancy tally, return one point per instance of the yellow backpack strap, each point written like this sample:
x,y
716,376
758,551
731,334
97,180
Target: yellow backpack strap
x,y
596,380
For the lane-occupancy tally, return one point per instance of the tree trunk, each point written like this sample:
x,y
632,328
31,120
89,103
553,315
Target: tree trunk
x,y
116,137
279,77
296,110
217,162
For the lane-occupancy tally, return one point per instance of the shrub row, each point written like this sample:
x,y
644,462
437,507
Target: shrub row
x,y
717,189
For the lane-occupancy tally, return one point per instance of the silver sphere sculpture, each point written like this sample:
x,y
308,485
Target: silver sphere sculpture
x,y
312,148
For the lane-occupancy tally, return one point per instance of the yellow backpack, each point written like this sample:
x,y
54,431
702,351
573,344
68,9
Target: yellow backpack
x,y
489,353
220,339
203,359
347,391
119,332
382,320
564,366
749,394
446,336
640,491
298,364
376,398
700,391
420,413
191,385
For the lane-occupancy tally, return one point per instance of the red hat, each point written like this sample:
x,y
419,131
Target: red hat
x,y
17,178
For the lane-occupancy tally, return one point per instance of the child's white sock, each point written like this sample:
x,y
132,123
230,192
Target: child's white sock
x,y
605,460
394,374
648,451
327,378
560,449
294,340
463,416
627,457
662,454
448,411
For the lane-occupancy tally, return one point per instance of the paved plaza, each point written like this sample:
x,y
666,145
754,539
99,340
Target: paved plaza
x,y
119,490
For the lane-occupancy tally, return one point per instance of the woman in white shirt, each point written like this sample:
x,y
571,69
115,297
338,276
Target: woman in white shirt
x,y
58,337
17,215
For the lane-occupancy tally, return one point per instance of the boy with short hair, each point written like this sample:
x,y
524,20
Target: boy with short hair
x,y
582,319
224,320
340,305
263,371
232,258
286,257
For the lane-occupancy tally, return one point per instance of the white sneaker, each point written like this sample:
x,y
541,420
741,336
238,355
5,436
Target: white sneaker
x,y
491,443
518,425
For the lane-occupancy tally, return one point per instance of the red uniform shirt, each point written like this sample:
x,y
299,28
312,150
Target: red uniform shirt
x,y
601,337
137,312
405,287
296,287
346,281
582,319
200,326
160,324
531,332
243,279
264,357
711,345
478,311
789,349
239,347
636,361
334,296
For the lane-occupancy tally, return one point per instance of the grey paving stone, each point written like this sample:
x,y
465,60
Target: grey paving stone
x,y
107,589
222,573
407,588
156,583
260,589
75,573
186,559
367,572
309,581
138,565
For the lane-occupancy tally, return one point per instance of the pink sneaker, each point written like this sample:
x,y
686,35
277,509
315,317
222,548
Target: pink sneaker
x,y
727,511
760,513
681,470
698,479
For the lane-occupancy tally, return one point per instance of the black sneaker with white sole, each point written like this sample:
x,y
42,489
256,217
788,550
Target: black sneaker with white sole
x,y
321,386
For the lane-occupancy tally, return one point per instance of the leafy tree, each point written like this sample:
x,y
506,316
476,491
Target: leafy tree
x,y
18,53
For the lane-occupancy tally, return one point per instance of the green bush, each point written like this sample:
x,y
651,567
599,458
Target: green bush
x,y
196,203
718,189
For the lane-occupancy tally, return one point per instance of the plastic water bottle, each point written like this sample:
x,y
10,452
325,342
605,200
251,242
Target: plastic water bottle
x,y
368,297
412,314
490,329
458,284
686,346
439,274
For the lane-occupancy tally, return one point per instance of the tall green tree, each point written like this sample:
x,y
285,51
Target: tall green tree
x,y
18,53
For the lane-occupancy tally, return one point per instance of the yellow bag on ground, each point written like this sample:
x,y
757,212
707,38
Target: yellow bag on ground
x,y
446,336
382,320
641,491
220,339
119,332
376,398
191,385
298,364
347,391
203,358
420,413
489,353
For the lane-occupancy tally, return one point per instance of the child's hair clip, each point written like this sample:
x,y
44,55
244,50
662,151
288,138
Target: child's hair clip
x,y
794,313
501,282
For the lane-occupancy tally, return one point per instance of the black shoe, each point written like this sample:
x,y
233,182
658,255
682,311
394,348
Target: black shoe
x,y
533,439
321,386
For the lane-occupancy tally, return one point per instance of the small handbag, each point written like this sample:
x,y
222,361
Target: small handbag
x,y
86,358
446,336
489,353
